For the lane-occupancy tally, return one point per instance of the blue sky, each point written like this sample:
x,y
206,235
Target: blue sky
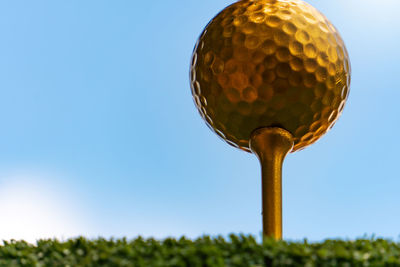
x,y
100,137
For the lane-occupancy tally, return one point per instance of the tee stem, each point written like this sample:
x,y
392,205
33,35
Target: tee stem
x,y
271,145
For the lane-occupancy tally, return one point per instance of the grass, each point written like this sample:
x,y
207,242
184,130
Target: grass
x,y
237,250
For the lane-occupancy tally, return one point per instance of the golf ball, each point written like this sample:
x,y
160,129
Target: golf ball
x,y
270,63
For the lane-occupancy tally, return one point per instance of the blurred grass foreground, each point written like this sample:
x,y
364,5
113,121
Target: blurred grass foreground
x,y
237,250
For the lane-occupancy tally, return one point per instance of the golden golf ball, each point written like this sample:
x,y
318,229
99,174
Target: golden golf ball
x,y
270,63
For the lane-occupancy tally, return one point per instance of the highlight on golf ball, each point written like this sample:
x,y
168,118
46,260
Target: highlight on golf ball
x,y
270,63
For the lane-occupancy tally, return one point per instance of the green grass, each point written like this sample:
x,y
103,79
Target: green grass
x,y
234,251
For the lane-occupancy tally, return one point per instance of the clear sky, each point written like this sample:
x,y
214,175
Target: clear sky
x,y
100,137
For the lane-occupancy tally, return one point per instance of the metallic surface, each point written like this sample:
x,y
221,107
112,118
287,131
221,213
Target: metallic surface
x,y
270,63
271,145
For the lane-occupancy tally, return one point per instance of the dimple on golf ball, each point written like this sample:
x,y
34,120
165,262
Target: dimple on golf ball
x,y
270,63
